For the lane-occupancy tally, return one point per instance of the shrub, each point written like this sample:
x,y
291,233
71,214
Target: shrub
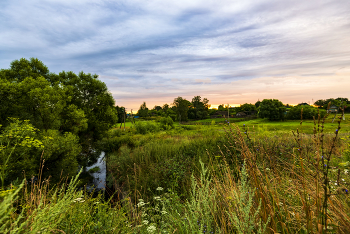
x,y
166,123
146,127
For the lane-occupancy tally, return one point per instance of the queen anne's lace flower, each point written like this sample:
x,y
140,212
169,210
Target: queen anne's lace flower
x,y
151,229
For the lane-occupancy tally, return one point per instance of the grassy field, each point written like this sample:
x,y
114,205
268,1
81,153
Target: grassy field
x,y
254,176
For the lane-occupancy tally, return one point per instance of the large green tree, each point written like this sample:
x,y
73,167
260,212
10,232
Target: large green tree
x,y
272,109
64,106
199,108
181,108
143,111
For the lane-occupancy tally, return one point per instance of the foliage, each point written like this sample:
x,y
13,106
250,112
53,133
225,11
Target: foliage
x,y
121,113
272,109
182,105
66,103
244,220
246,107
166,123
339,102
308,112
16,141
143,111
199,109
23,147
91,96
63,209
257,104
146,127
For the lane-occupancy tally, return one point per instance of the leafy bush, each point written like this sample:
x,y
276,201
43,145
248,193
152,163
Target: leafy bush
x,y
308,112
146,127
166,123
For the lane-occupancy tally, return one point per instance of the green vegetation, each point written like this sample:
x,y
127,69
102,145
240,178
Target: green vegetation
x,y
66,113
206,179
272,109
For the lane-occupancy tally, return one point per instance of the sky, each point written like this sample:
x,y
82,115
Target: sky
x,y
156,50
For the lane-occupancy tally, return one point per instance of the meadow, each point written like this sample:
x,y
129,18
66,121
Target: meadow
x,y
252,176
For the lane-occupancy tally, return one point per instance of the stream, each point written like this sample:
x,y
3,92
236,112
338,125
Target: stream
x,y
100,176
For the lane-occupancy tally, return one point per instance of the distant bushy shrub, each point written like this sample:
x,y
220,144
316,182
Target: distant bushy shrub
x,y
166,123
146,127
308,112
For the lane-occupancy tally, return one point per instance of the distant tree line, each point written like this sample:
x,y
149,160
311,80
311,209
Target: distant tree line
x,y
271,109
181,109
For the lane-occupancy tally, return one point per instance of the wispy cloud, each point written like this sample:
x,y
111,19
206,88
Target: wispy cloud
x,y
154,51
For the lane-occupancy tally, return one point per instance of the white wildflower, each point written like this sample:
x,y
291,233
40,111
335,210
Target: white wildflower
x,y
267,169
159,189
145,222
79,199
157,198
140,204
151,229
164,212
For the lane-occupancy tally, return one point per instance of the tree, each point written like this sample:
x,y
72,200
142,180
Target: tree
x,y
182,106
63,106
272,109
222,107
157,108
257,104
143,111
320,103
246,107
121,113
308,112
199,108
90,95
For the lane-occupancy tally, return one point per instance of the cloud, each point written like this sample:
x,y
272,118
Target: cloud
x,y
228,51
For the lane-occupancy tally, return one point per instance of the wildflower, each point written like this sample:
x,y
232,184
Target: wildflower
x,y
151,229
346,171
140,204
280,203
245,132
342,179
346,191
336,183
159,189
164,212
325,165
267,169
79,199
145,222
157,198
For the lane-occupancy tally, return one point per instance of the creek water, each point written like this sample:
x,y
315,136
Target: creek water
x,y
100,176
